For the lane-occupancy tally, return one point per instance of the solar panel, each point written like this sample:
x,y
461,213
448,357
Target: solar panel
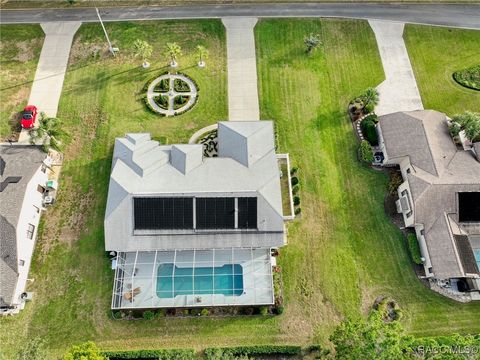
x,y
215,213
247,213
163,213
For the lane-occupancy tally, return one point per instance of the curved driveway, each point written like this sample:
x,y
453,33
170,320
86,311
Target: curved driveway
x,y
455,15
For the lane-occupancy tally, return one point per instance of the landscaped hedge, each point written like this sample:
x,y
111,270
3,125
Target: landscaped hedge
x,y
469,78
162,354
368,126
257,350
414,249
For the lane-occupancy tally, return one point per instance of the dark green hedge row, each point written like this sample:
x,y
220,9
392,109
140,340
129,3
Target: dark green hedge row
x,y
163,354
258,350
414,249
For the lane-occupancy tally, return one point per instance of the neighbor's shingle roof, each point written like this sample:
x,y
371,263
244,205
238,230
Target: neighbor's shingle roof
x,y
439,172
22,161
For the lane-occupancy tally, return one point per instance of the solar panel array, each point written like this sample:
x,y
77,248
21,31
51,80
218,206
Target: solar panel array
x,y
247,213
215,213
167,213
163,213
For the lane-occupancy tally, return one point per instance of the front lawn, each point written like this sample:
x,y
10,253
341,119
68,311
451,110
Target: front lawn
x,y
436,53
20,47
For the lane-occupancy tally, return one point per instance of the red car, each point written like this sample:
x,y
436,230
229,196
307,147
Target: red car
x,y
29,116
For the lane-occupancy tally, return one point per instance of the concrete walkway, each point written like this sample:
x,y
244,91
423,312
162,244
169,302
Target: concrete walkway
x,y
399,91
242,69
51,68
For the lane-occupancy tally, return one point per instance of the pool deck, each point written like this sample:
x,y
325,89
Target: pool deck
x,y
136,278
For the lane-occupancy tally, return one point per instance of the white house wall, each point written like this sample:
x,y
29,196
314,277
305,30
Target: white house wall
x,y
28,215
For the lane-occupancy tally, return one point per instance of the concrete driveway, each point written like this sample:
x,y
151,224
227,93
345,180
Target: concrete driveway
x,y
399,91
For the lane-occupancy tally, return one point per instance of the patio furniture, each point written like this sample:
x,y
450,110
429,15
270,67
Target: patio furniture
x,y
131,294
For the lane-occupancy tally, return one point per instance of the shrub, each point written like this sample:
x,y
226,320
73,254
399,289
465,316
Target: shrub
x,y
365,152
414,249
161,313
279,310
295,189
162,354
195,311
395,181
204,312
298,210
263,310
293,170
296,200
186,312
256,350
369,130
294,181
469,78
148,315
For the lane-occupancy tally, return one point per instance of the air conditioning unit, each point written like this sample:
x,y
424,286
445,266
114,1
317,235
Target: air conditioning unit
x,y
26,296
47,200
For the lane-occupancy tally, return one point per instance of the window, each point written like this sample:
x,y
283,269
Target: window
x,y
163,213
409,214
21,262
30,231
215,213
40,189
37,210
408,171
43,169
404,193
247,213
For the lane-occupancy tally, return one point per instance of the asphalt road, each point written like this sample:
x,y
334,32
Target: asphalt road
x,y
464,16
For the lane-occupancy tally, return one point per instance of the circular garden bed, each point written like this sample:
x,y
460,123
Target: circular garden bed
x,y
469,78
171,94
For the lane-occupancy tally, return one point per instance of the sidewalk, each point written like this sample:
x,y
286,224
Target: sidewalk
x,y
51,68
399,91
242,69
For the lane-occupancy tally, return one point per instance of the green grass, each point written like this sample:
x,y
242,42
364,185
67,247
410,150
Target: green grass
x,y
344,252
341,254
20,47
436,53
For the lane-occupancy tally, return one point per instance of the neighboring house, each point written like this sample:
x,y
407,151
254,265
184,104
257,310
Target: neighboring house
x,y
23,174
440,195
190,230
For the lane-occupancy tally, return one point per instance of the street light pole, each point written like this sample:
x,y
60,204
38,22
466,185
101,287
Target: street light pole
x,y
110,47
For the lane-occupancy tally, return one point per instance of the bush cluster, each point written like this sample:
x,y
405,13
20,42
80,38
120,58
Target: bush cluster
x,y
469,78
257,350
365,152
414,249
368,126
162,354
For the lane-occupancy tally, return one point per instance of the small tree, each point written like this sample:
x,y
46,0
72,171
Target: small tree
x,y
469,122
144,50
85,351
49,132
202,54
370,99
173,51
311,42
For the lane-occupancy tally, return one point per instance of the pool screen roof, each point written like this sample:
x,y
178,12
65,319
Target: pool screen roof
x,y
193,278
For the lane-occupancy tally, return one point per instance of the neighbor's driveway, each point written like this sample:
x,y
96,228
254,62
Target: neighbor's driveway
x,y
399,91
51,68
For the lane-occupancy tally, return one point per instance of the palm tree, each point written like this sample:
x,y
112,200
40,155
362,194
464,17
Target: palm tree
x,y
370,99
48,132
144,50
202,53
173,50
311,42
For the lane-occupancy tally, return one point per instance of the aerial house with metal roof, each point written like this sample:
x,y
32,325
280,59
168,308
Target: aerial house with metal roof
x,y
190,230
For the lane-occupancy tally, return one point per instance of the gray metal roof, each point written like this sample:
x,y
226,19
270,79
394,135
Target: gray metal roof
x,y
246,166
17,161
439,172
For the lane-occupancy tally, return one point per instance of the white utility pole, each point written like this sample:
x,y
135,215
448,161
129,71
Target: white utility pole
x,y
110,47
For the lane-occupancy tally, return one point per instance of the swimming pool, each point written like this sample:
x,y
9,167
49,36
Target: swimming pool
x,y
173,280
477,257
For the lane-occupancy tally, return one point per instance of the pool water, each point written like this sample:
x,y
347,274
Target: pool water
x,y
173,280
477,257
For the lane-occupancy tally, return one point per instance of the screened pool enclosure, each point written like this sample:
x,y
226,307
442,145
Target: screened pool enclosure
x,y
189,278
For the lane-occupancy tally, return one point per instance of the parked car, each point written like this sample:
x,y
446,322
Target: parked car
x,y
29,116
